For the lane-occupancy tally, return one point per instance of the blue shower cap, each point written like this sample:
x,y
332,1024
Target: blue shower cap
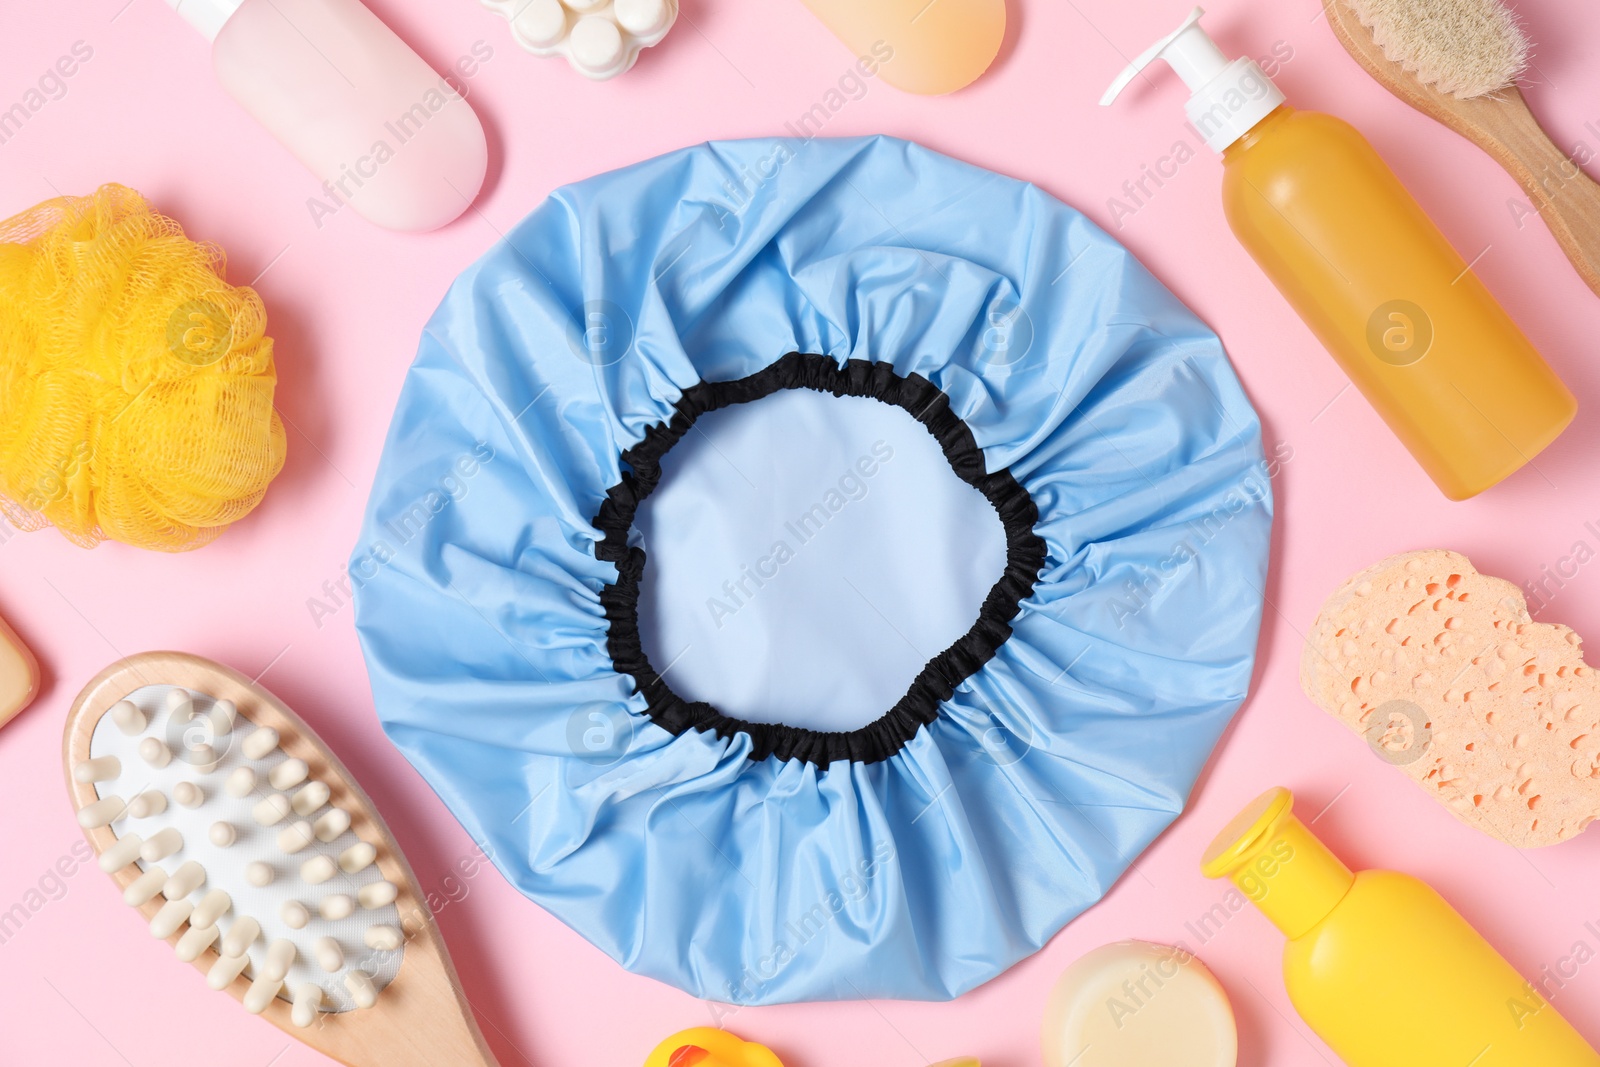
x,y
499,572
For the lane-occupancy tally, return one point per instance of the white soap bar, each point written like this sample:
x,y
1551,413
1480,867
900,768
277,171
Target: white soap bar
x,y
600,39
1137,1004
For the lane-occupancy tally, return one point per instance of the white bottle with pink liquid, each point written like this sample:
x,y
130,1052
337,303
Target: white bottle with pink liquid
x,y
383,131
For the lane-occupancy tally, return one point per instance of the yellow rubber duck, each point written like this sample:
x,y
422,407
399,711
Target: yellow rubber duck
x,y
707,1046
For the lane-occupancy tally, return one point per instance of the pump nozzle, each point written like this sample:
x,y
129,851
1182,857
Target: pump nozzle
x,y
1197,41
1225,100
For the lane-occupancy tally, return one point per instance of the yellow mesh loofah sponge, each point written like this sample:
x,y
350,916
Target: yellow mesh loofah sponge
x,y
135,384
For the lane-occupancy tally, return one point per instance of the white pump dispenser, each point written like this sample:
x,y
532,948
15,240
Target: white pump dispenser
x,y
1226,99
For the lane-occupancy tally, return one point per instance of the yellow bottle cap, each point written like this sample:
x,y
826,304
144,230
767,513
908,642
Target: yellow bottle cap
x,y
1279,864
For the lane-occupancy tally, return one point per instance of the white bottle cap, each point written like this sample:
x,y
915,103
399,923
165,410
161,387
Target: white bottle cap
x,y
207,16
1226,99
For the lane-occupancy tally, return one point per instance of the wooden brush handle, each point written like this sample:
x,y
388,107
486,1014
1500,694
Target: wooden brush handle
x,y
1567,199
1501,125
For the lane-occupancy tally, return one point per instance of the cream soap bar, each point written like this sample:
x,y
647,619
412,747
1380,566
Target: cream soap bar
x,y
1137,1004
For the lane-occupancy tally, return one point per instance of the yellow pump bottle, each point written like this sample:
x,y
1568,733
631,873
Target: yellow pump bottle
x,y
1379,285
1378,964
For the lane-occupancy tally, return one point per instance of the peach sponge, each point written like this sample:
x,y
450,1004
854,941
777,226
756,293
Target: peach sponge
x,y
1446,675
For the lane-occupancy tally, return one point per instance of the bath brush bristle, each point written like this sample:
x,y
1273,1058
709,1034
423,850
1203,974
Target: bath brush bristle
x,y
245,843
1466,48
135,762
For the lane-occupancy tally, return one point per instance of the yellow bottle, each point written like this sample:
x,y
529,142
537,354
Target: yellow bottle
x,y
1378,964
1369,272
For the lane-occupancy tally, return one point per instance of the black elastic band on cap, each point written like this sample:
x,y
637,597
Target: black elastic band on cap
x,y
882,738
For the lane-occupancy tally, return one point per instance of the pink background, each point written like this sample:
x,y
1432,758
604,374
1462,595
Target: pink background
x,y
83,983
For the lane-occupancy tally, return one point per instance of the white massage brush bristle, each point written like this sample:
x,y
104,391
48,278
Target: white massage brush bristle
x,y
1458,61
204,742
1465,48
270,870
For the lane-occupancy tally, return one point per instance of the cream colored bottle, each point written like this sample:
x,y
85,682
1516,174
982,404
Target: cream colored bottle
x,y
385,134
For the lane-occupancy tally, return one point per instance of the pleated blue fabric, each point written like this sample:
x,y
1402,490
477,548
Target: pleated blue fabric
x,y
700,853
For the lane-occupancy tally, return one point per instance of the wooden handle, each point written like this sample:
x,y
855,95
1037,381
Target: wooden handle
x,y
1567,199
1501,124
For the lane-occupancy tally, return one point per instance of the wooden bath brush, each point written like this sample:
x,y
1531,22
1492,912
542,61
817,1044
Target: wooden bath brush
x,y
1458,61
245,843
